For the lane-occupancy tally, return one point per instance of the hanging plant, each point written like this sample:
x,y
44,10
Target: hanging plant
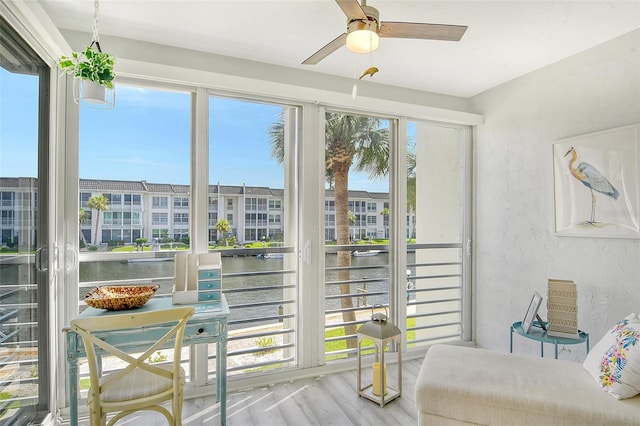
x,y
90,65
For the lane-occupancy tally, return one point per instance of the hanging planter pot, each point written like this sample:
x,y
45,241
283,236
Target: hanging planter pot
x,y
92,91
93,95
93,72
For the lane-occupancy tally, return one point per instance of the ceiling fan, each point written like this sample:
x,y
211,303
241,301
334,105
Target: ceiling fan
x,y
364,30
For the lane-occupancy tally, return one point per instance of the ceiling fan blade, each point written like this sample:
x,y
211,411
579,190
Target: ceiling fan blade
x,y
328,49
352,9
422,31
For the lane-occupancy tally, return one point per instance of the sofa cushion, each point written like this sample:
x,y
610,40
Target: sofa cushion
x,y
463,385
614,362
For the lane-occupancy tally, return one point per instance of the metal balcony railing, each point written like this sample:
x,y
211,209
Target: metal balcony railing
x,y
260,286
18,333
259,290
433,294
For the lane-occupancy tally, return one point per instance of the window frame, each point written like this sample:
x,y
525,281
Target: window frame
x,y
310,209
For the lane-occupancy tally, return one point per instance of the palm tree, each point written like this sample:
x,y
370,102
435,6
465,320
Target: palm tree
x,y
222,226
98,203
82,217
350,141
411,183
411,177
352,221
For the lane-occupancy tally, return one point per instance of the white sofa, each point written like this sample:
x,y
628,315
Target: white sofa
x,y
460,386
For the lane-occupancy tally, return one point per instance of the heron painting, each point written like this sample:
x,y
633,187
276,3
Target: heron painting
x,y
600,170
592,179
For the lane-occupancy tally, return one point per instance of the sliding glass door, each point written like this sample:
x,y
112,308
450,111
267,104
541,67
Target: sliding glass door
x,y
24,201
437,232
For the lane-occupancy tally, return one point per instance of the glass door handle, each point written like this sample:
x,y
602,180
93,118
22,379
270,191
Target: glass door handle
x,y
70,259
306,252
38,256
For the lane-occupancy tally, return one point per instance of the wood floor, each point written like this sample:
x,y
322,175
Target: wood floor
x,y
327,400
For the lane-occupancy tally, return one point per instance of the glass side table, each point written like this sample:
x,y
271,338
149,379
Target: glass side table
x,y
537,333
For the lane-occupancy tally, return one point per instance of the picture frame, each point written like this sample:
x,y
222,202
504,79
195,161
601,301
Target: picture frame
x,y
596,184
532,312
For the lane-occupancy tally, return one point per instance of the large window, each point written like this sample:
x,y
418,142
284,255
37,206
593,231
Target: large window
x,y
357,261
249,210
145,168
251,166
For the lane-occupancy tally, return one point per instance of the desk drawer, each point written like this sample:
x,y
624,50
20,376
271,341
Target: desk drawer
x,y
209,274
139,339
209,296
200,330
209,285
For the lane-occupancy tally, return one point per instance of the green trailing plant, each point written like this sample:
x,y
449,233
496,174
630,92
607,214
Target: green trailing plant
x,y
91,65
158,357
265,342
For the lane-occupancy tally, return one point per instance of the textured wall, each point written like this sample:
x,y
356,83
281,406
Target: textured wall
x,y
515,246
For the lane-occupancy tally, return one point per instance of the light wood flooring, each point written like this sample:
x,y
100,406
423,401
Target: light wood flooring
x,y
326,400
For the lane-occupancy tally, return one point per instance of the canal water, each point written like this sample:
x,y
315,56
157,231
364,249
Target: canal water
x,y
370,275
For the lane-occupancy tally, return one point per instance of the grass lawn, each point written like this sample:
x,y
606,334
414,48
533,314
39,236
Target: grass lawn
x,y
339,345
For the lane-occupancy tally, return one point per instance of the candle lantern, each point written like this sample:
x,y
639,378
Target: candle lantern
x,y
382,332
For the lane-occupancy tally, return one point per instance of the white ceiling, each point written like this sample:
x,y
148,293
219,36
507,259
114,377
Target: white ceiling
x,y
505,39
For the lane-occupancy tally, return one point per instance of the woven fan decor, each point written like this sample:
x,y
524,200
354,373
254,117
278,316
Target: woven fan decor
x,y
118,298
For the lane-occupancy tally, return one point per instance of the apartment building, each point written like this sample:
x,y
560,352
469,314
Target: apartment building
x,y
157,212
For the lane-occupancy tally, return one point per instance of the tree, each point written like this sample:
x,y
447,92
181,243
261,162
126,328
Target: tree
x,y
352,221
82,217
411,183
222,226
411,176
350,141
100,204
140,242
385,212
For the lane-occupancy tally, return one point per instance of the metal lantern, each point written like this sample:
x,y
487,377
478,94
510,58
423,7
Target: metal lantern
x,y
382,332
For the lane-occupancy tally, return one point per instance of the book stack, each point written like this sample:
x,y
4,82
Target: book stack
x,y
562,309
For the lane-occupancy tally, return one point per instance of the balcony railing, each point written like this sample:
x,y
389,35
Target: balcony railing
x,y
433,294
259,290
260,286
18,332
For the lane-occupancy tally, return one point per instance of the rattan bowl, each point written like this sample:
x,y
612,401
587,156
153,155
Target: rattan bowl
x,y
118,298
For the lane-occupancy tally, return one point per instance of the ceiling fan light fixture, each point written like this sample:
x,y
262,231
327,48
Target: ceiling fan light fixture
x,y
362,36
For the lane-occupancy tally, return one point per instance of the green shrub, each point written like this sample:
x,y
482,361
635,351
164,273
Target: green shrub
x,y
158,357
266,342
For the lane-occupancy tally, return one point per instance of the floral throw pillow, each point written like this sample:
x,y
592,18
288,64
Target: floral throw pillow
x,y
615,361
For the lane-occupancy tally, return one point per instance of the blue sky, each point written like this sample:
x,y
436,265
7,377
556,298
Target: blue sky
x,y
18,124
147,136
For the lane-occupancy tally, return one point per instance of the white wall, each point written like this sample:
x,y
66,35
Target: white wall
x,y
515,246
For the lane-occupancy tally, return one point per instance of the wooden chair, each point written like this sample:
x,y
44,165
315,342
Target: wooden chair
x,y
140,385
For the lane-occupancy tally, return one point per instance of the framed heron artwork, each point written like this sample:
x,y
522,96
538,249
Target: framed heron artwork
x,y
597,184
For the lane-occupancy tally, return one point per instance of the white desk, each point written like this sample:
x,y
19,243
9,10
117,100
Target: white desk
x,y
208,325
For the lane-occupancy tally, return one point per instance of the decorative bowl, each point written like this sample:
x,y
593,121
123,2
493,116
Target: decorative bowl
x,y
118,298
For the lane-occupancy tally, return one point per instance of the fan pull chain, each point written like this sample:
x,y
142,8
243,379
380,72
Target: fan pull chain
x,y
354,90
